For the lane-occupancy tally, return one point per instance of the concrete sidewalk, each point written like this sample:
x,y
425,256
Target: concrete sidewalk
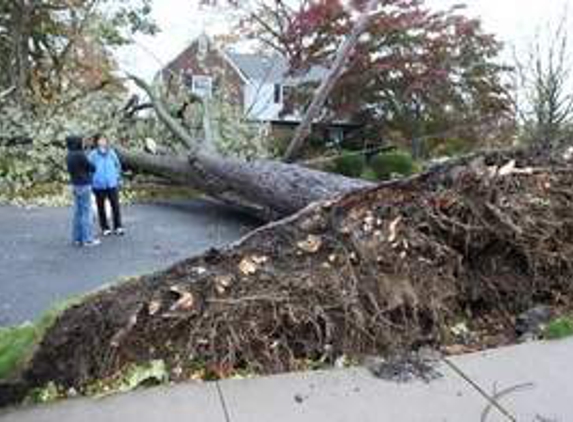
x,y
540,372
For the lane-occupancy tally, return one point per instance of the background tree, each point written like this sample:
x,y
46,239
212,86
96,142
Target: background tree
x,y
57,76
49,46
544,88
415,72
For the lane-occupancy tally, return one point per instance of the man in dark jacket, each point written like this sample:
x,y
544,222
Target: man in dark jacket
x,y
81,175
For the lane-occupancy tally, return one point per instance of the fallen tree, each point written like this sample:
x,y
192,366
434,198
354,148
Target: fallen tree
x,y
378,271
353,270
266,189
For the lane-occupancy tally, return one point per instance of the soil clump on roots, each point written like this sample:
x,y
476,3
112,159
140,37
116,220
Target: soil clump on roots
x,y
375,272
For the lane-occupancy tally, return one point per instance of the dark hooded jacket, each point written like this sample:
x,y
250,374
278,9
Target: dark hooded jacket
x,y
80,169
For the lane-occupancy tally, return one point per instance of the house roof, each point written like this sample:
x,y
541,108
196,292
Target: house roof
x,y
272,69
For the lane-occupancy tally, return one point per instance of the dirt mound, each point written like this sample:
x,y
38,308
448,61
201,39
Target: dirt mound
x,y
379,271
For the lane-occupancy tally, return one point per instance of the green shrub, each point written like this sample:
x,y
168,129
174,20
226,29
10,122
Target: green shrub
x,y
559,328
368,174
349,164
385,165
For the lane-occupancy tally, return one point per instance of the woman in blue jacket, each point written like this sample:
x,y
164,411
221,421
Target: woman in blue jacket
x,y
106,182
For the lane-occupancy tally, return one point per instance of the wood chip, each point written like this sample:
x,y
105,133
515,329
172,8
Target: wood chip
x,y
247,266
394,229
186,301
311,244
153,307
222,283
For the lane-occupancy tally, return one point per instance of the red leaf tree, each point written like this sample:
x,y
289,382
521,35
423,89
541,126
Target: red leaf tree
x,y
416,72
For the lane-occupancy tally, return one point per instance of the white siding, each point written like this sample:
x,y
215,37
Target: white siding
x,y
260,102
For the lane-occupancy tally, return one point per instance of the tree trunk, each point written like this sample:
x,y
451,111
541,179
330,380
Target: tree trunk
x,y
21,51
266,189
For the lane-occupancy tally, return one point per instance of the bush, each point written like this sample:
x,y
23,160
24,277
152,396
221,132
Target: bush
x,y
349,164
385,165
368,174
559,328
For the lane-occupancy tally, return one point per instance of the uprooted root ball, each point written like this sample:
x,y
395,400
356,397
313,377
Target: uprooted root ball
x,y
374,272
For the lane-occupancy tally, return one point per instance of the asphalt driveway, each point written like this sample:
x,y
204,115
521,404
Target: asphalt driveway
x,y
38,265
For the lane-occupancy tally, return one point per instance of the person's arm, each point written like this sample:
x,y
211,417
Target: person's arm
x,y
88,164
118,167
117,162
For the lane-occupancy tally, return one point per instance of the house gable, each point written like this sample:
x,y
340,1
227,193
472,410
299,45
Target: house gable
x,y
203,59
259,84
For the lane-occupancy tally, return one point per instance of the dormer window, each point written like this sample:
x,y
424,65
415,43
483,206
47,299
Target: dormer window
x,y
202,86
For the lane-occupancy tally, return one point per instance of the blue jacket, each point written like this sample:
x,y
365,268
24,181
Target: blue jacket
x,y
107,169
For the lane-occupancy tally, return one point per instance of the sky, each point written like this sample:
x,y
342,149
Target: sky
x,y
514,21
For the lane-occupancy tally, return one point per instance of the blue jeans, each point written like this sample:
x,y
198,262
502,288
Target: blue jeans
x,y
82,220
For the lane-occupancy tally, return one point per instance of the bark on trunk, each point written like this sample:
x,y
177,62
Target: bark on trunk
x,y
21,51
266,189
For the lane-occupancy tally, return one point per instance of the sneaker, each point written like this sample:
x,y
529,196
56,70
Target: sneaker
x,y
106,233
120,231
91,243
77,243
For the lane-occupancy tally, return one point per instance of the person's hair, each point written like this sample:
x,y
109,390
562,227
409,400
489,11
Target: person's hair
x,y
74,142
74,138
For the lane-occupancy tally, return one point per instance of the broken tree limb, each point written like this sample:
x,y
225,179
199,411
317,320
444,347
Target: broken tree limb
x,y
164,115
7,92
209,129
341,59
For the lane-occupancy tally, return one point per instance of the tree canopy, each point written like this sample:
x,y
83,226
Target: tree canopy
x,y
414,72
48,46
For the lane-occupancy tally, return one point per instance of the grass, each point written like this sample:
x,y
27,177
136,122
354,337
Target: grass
x,y
559,328
58,194
146,192
17,343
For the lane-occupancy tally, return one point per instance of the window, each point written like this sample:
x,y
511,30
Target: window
x,y
202,86
278,94
335,135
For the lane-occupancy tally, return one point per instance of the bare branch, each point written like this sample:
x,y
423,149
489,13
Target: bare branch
x,y
7,92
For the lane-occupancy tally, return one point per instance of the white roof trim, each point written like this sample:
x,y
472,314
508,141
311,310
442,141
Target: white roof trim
x,y
234,65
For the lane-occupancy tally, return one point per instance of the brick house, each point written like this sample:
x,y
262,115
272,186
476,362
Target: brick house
x,y
259,84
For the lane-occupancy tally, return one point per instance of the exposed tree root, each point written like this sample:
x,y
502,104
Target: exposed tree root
x,y
377,271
